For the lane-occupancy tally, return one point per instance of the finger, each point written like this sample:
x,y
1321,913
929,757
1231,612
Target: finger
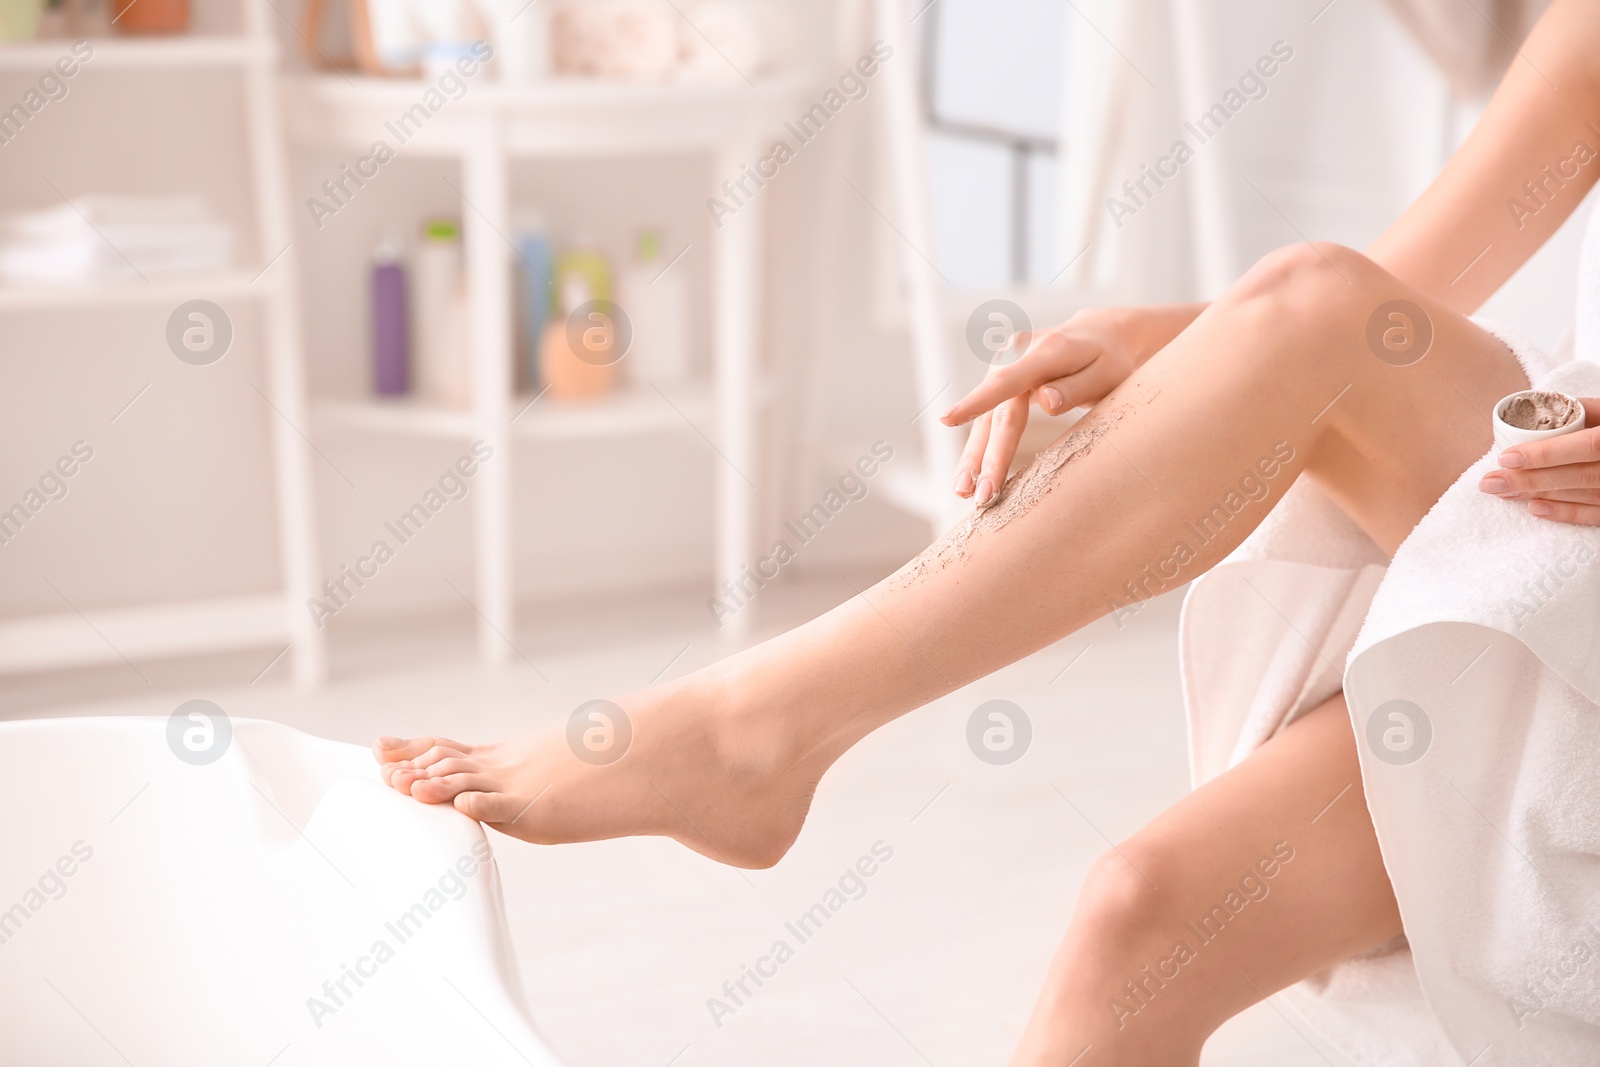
x,y
1006,424
999,384
440,790
1539,480
1054,355
1580,447
972,456
1559,511
1088,386
1572,496
1052,397
1058,353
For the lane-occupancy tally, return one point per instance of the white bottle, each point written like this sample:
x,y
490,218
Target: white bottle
x,y
521,33
657,304
443,362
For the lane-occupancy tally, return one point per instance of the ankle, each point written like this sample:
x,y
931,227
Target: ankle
x,y
757,731
731,757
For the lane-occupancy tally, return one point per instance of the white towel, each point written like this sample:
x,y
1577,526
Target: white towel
x,y
100,239
1487,619
232,912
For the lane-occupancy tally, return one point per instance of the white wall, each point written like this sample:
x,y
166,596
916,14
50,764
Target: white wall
x,y
178,499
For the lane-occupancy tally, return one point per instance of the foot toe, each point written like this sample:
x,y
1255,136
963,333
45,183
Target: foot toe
x,y
491,808
439,790
451,765
404,775
436,754
394,749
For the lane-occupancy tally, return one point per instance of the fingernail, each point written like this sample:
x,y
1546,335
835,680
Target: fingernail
x,y
985,491
946,416
963,482
1540,509
389,742
1512,460
1052,398
1493,483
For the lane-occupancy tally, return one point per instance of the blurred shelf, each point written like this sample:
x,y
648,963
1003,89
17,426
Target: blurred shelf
x,y
634,409
166,52
402,417
631,410
46,642
561,117
164,289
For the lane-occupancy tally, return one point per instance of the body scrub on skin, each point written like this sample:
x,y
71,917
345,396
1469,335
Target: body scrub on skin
x,y
1021,492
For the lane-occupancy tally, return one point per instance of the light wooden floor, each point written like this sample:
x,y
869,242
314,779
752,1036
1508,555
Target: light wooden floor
x,y
622,943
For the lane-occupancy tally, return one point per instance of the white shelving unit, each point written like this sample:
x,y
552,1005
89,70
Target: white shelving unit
x,y
196,51
149,631
162,289
630,411
485,132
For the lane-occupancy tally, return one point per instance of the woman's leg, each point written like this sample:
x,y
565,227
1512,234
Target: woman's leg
x,y
1265,875
1274,380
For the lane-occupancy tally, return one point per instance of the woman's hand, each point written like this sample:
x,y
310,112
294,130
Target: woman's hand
x,y
1074,364
1559,477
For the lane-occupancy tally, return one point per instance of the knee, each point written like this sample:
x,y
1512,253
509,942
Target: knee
x,y
1308,277
1118,956
1122,901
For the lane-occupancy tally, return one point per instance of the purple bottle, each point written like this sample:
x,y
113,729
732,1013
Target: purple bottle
x,y
391,357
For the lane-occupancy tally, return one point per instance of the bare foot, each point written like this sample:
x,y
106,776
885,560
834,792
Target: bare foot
x,y
714,781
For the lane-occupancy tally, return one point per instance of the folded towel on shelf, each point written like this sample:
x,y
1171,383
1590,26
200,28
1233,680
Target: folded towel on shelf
x,y
100,239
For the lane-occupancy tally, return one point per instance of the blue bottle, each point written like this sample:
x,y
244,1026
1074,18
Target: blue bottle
x,y
535,269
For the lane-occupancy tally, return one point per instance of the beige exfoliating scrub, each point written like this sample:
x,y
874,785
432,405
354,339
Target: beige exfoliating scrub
x,y
1538,409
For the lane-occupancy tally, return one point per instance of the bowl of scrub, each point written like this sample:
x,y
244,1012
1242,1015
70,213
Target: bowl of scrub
x,y
1535,414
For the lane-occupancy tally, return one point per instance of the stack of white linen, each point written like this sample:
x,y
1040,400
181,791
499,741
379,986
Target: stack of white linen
x,y
106,239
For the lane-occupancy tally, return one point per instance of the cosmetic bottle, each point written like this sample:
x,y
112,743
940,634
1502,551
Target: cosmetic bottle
x,y
584,259
576,357
443,363
521,34
535,290
656,301
391,326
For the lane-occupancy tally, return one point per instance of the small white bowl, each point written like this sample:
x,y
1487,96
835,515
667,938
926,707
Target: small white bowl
x,y
1507,435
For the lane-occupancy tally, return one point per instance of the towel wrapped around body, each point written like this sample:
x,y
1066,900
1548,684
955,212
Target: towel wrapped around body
x,y
1471,667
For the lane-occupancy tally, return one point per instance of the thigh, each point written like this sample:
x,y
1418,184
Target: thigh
x,y
1263,876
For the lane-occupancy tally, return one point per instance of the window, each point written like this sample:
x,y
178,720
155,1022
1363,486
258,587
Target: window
x,y
992,95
